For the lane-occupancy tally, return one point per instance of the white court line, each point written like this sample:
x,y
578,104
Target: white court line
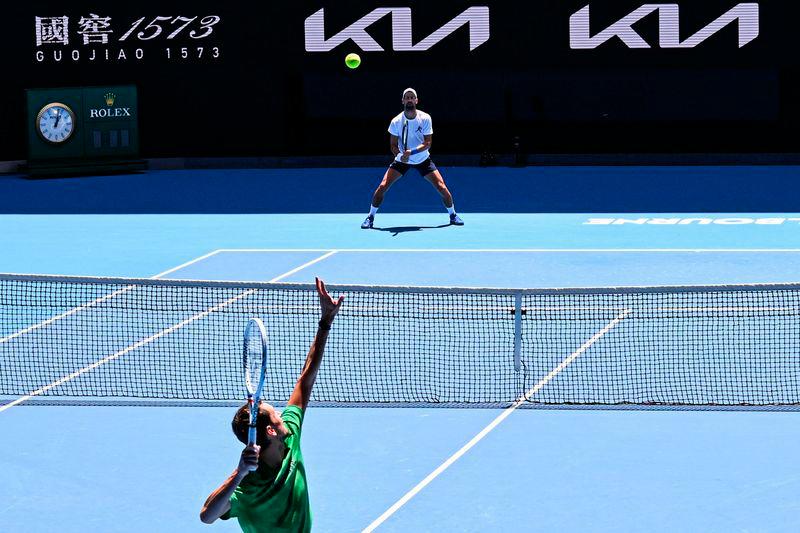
x,y
464,449
186,264
161,333
301,267
516,250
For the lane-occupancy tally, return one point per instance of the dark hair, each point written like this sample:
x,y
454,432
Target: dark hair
x,y
241,424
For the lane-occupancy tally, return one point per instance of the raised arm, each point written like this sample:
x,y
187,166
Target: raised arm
x,y
329,307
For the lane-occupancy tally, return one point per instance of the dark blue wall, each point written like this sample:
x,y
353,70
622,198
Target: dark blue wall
x,y
618,189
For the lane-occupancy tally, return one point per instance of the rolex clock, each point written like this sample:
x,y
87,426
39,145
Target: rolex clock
x,y
55,123
77,131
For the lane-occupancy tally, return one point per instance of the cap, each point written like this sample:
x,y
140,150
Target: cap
x,y
410,90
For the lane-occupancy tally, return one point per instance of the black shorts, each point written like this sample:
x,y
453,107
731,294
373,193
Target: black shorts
x,y
424,168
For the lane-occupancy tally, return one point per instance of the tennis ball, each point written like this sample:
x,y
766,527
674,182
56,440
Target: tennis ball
x,y
352,60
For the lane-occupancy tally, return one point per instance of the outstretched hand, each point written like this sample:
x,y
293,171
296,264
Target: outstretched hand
x,y
328,305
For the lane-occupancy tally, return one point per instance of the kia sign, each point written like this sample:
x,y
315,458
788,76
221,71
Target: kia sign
x,y
476,18
550,76
744,15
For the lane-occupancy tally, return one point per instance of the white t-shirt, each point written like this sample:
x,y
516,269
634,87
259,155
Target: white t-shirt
x,y
418,127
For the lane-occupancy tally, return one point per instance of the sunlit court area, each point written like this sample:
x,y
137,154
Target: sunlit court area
x,y
355,267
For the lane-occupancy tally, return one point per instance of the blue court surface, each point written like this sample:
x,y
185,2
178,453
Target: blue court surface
x,y
77,469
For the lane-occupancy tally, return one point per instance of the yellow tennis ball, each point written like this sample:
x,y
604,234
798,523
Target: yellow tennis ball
x,y
352,60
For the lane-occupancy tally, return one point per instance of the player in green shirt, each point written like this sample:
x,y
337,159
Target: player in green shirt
x,y
267,491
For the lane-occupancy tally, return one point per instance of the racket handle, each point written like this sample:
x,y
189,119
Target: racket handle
x,y
251,430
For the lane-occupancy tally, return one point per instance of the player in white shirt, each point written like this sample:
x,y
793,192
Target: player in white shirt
x,y
411,136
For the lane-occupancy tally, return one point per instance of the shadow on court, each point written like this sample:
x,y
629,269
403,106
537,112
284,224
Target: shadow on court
x,y
396,230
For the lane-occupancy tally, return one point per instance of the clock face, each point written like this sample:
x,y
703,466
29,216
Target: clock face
x,y
55,123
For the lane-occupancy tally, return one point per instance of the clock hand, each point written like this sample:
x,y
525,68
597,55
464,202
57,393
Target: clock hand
x,y
58,117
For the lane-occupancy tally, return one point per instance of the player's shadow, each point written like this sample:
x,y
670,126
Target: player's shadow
x,y
396,230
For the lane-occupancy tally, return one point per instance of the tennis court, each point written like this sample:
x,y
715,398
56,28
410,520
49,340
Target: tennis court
x,y
579,310
134,468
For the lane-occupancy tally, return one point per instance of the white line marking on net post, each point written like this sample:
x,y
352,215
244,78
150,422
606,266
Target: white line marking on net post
x,y
150,339
494,423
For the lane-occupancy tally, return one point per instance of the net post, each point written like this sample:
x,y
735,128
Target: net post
x,y
517,330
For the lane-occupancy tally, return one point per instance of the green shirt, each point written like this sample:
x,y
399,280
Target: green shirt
x,y
278,504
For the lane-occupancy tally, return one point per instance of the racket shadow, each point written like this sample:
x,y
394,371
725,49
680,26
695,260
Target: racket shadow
x,y
396,230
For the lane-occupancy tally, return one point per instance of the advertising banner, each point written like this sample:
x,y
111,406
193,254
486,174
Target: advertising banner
x,y
270,79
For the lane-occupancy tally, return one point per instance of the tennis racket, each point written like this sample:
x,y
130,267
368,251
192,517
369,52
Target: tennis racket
x,y
405,133
255,369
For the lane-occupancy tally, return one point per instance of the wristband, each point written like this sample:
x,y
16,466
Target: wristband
x,y
326,326
415,151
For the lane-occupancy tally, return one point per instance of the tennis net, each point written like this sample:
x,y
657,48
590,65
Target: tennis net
x,y
120,340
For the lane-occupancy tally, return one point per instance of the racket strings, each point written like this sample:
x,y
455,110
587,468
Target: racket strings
x,y
252,358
